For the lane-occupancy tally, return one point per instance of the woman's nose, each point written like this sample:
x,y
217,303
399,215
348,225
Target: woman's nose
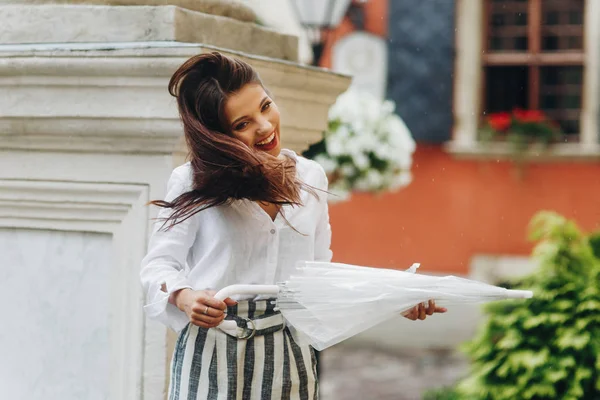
x,y
264,126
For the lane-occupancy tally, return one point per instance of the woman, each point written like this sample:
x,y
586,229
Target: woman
x,y
241,211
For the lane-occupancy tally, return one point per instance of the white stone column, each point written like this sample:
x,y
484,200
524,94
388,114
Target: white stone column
x,y
88,135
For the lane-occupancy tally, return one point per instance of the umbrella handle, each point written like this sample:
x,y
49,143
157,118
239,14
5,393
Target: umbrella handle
x,y
228,291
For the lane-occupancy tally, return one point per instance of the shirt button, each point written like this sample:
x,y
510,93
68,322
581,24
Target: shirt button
x,y
273,231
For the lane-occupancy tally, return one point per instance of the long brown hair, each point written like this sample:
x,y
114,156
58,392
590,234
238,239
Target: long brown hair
x,y
224,168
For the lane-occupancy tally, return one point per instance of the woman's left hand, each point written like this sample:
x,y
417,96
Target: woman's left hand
x,y
421,312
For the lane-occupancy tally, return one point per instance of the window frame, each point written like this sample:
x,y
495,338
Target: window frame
x,y
468,93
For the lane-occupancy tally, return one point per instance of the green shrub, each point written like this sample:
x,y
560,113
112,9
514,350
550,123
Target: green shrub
x,y
547,347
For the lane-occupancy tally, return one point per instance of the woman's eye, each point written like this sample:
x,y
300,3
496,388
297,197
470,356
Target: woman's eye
x,y
266,106
241,126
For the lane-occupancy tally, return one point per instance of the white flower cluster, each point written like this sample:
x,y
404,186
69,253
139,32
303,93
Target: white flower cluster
x,y
367,146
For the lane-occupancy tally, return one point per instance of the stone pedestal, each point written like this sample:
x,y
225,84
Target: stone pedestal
x,y
88,135
225,8
53,23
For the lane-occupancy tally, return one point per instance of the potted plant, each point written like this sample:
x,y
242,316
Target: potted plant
x,y
367,147
522,129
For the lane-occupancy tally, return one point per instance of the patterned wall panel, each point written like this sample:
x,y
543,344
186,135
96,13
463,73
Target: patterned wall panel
x,y
420,67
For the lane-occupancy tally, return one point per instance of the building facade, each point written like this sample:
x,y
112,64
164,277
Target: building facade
x,y
451,62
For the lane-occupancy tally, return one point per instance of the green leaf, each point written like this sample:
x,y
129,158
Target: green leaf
x,y
540,390
563,305
555,375
589,305
555,318
567,362
582,323
510,341
535,321
569,339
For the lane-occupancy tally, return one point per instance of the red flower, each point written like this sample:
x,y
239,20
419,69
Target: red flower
x,y
500,121
529,116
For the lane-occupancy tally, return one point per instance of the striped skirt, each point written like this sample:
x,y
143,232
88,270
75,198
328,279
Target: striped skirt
x,y
210,364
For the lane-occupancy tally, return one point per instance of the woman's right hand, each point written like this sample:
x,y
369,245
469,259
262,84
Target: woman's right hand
x,y
201,307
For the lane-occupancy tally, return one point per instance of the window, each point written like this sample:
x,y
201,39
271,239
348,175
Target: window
x,y
532,54
533,58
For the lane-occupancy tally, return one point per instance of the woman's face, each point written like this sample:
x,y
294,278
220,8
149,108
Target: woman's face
x,y
254,118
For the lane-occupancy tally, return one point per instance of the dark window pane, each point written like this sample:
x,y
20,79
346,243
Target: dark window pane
x,y
572,75
562,25
550,43
498,20
572,102
576,18
495,43
560,95
575,42
521,19
549,102
506,88
521,43
570,126
551,18
507,21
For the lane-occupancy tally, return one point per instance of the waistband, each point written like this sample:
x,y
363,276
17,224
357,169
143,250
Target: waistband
x,y
254,318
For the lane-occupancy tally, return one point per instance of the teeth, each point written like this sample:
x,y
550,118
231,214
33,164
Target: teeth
x,y
267,140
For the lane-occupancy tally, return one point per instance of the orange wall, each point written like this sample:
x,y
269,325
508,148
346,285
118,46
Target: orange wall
x,y
455,209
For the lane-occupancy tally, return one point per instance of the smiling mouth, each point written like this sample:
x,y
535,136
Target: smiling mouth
x,y
267,141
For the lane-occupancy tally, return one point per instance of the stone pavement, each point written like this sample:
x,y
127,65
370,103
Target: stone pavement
x,y
362,373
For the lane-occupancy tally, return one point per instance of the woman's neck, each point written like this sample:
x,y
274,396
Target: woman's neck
x,y
271,209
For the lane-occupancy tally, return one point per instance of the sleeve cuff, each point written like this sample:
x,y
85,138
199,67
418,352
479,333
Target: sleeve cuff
x,y
158,307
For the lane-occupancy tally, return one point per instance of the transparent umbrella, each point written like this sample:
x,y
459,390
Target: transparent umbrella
x,y
325,303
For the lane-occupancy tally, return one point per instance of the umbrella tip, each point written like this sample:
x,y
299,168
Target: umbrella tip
x,y
520,294
413,268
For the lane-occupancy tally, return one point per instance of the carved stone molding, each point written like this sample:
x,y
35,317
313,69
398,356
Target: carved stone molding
x,y
114,99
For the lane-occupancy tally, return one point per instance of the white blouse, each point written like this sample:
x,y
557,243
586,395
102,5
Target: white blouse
x,y
233,244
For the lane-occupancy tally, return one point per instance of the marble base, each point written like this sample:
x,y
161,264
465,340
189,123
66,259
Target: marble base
x,y
54,302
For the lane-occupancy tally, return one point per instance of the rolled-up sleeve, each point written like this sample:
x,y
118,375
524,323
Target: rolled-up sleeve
x,y
323,232
164,266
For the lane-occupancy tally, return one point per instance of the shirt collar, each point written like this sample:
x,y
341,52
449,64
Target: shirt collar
x,y
290,153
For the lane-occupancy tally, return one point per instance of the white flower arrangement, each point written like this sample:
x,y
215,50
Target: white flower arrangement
x,y
366,148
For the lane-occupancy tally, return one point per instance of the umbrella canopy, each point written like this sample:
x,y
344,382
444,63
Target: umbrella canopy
x,y
324,303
